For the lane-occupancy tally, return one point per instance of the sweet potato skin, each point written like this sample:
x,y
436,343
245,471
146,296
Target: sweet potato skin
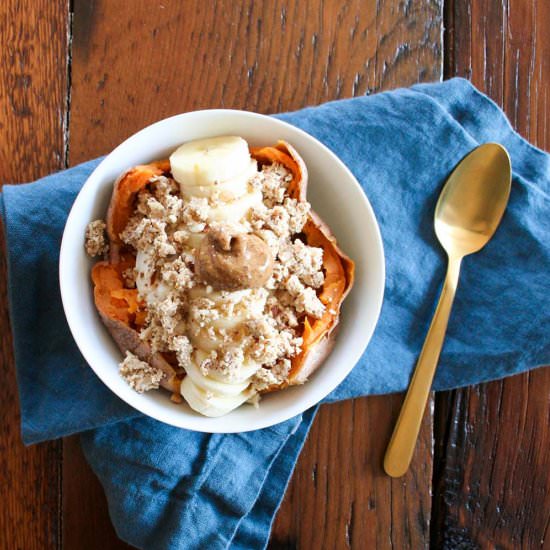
x,y
127,339
314,357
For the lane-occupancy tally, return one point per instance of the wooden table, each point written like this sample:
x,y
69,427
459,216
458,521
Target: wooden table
x,y
79,77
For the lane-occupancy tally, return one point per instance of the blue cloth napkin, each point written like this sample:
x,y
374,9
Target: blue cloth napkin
x,y
171,488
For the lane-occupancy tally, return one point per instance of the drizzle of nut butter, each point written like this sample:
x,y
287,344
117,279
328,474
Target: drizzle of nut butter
x,y
235,262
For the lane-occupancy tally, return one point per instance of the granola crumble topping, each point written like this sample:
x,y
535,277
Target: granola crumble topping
x,y
95,242
140,375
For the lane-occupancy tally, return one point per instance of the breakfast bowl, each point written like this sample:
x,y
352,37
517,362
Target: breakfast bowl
x,y
335,195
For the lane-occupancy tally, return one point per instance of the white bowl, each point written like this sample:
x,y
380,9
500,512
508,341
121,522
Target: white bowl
x,y
330,183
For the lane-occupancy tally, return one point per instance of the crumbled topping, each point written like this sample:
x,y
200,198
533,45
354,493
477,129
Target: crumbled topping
x,y
163,187
273,181
283,220
304,261
297,214
129,276
140,375
159,201
95,242
226,362
153,333
183,348
203,311
211,334
169,313
165,321
195,214
305,298
268,343
276,219
148,234
150,207
270,239
178,274
284,314
265,378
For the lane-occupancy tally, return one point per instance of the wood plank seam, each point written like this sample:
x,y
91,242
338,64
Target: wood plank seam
x,y
66,137
67,119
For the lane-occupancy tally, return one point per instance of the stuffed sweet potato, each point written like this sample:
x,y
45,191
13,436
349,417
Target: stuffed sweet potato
x,y
219,279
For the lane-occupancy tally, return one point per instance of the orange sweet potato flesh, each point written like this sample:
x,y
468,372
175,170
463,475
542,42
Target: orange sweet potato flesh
x,y
125,190
107,283
318,334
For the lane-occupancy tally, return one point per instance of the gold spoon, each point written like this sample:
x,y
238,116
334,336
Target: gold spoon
x,y
467,214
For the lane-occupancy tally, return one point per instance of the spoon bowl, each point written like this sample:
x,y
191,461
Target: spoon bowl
x,y
473,200
467,215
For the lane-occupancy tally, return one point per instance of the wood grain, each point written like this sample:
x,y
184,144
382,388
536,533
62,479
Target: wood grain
x,y
493,488
267,56
133,64
340,496
33,95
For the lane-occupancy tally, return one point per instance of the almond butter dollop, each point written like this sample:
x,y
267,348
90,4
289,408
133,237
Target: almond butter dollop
x,y
235,262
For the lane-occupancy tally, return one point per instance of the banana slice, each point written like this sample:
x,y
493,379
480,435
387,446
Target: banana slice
x,y
247,370
205,161
152,290
225,190
204,340
208,384
236,210
200,291
209,404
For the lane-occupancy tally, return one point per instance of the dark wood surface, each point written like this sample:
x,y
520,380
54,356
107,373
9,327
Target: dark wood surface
x,y
480,473
33,107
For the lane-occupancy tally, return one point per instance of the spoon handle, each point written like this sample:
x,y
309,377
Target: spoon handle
x,y
403,441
